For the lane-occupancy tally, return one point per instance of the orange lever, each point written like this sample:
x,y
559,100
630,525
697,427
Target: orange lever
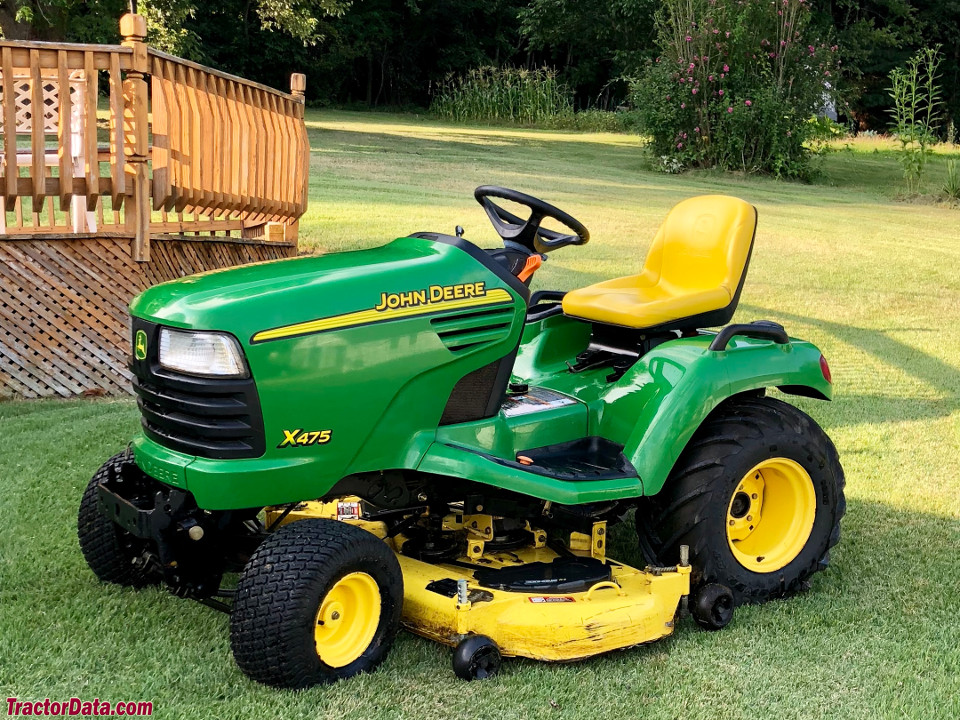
x,y
530,267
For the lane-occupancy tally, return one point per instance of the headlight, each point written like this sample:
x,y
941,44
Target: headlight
x,y
201,353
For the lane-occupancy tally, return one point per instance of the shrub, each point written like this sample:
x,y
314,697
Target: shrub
x,y
507,94
916,112
735,85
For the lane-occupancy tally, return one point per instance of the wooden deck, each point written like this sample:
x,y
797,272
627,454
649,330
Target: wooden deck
x,y
188,169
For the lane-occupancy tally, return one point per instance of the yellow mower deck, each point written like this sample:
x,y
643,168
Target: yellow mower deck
x,y
634,607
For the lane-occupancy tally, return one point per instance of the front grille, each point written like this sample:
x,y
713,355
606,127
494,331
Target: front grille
x,y
216,418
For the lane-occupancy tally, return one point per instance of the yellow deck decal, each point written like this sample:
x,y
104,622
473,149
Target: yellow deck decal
x,y
372,315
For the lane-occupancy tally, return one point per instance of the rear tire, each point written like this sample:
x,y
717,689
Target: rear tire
x,y
111,552
319,601
752,458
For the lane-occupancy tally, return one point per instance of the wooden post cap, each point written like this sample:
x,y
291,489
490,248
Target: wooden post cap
x,y
298,84
133,27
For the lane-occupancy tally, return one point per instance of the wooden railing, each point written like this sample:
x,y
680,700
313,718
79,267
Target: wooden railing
x,y
196,151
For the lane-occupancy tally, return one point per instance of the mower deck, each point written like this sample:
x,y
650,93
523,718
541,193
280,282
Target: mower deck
x,y
532,601
631,608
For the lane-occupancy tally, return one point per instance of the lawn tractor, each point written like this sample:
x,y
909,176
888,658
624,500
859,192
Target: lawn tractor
x,y
406,436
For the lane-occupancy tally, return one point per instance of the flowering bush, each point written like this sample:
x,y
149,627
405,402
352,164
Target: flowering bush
x,y
736,84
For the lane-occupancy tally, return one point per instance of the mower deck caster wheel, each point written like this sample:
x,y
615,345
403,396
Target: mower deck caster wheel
x,y
712,606
476,658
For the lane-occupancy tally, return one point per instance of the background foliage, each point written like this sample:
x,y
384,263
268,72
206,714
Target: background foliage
x,y
394,52
736,84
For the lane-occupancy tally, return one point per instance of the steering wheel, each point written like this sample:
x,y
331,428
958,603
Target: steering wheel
x,y
528,233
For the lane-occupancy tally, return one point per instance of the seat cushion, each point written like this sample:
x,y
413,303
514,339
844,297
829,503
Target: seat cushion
x,y
626,301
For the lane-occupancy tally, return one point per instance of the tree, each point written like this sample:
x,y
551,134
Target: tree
x,y
92,21
592,44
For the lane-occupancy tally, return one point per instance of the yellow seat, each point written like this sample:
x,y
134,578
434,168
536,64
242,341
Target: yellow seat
x,y
692,276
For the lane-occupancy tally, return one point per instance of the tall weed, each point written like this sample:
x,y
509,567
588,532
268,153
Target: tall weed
x,y
510,95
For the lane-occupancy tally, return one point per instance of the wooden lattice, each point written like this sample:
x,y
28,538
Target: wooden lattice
x,y
63,306
50,92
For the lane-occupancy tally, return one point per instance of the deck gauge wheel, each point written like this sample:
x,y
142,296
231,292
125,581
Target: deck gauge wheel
x,y
712,606
477,657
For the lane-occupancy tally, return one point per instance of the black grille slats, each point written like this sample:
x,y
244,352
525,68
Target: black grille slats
x,y
212,417
469,330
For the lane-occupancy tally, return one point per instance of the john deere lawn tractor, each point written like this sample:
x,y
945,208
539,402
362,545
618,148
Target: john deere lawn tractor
x,y
405,436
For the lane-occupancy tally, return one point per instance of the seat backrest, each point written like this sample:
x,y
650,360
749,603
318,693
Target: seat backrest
x,y
703,244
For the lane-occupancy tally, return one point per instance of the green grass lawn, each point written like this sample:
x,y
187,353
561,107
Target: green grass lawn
x,y
875,282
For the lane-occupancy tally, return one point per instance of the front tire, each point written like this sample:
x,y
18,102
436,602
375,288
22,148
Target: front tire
x,y
319,601
757,494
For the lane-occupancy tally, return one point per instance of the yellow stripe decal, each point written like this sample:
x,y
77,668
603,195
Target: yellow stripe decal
x,y
365,317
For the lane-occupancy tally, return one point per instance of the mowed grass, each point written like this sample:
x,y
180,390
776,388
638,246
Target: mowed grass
x,y
873,281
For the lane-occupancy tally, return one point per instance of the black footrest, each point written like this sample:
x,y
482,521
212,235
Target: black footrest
x,y
591,458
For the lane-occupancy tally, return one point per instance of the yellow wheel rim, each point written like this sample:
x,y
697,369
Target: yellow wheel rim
x,y
347,620
770,515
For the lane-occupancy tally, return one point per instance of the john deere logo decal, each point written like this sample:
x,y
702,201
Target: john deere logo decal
x,y
140,346
431,295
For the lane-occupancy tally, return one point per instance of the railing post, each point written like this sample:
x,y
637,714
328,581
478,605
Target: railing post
x,y
298,86
133,28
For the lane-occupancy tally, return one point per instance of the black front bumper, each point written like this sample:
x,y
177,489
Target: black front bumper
x,y
191,548
145,523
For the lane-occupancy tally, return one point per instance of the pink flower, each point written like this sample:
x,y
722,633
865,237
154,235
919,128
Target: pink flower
x,y
748,103
696,129
710,79
726,68
688,38
679,146
727,33
729,109
694,91
692,66
721,93
683,106
684,136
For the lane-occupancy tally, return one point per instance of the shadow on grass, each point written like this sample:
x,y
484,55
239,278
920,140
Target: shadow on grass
x,y
920,365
